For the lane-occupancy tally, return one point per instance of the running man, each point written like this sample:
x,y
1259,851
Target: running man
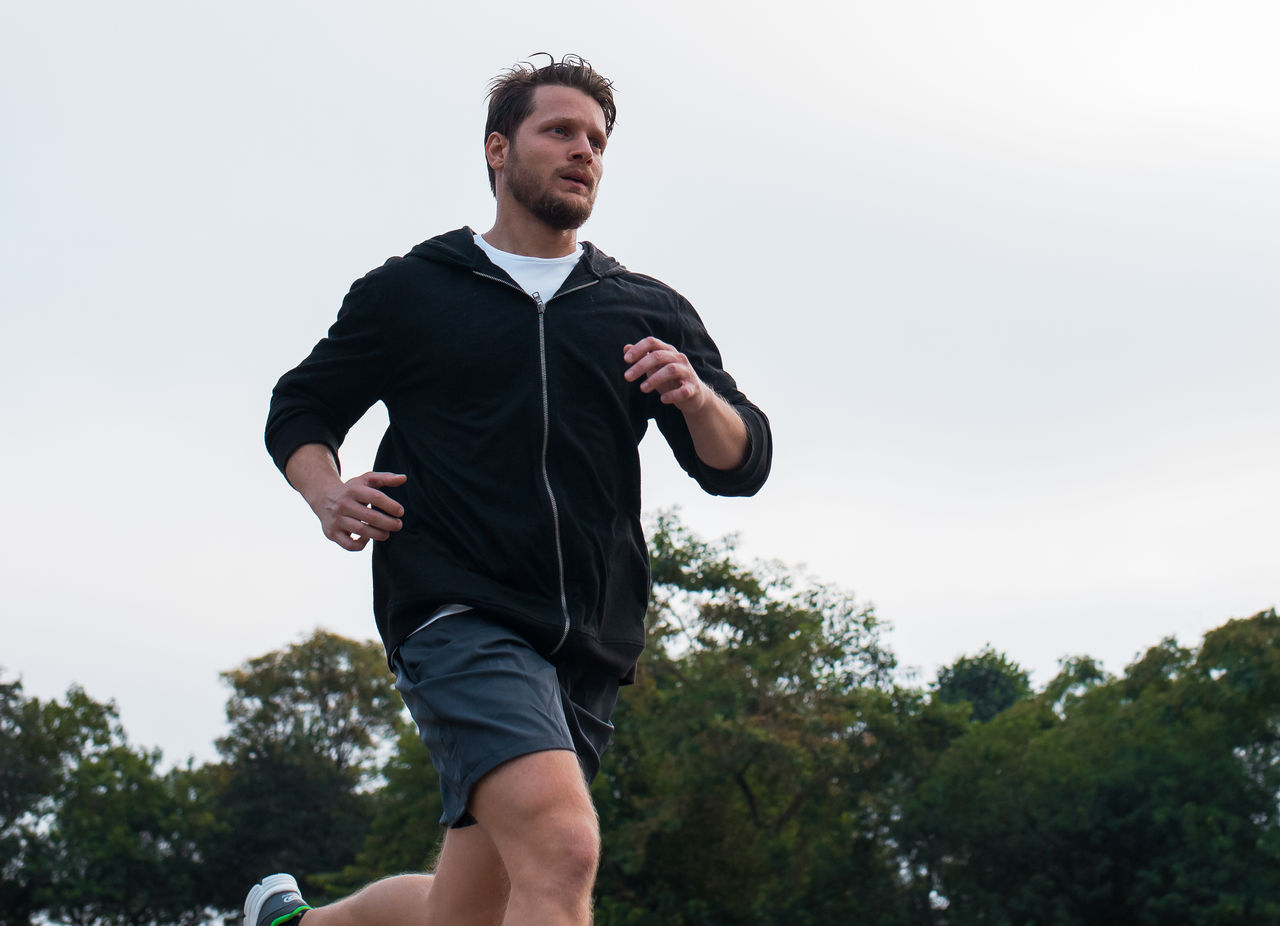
x,y
520,369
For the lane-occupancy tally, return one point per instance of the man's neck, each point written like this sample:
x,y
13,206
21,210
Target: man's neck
x,y
520,233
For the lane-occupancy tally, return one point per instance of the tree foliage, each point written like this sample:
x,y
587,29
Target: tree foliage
x,y
403,834
745,738
94,834
35,747
989,682
307,726
1145,799
326,696
767,769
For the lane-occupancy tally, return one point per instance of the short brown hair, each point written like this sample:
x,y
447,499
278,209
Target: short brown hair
x,y
511,94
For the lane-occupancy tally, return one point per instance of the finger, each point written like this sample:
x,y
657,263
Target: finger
x,y
360,528
667,377
363,514
382,521
685,390
371,515
384,479
633,352
674,384
665,385
346,541
374,499
369,532
633,355
653,361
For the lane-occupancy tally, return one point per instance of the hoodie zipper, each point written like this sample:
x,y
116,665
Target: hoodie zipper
x,y
546,440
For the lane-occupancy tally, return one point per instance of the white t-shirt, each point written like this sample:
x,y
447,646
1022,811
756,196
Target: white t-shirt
x,y
540,276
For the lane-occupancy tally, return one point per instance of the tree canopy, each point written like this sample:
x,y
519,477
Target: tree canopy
x,y
768,768
989,682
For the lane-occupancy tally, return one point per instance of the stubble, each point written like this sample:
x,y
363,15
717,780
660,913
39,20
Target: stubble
x,y
563,212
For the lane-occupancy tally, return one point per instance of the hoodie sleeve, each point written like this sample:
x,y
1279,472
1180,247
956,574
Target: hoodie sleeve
x,y
319,400
692,339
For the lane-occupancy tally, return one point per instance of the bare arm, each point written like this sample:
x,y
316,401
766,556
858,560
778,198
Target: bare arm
x,y
719,434
351,513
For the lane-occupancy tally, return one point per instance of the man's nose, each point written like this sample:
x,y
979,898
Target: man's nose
x,y
581,149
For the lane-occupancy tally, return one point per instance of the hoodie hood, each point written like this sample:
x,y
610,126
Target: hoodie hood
x,y
459,247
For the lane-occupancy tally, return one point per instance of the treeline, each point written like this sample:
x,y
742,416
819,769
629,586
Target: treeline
x,y
767,769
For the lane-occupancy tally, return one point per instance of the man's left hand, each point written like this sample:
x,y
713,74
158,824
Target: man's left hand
x,y
719,435
664,370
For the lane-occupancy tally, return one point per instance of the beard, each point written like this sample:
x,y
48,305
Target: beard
x,y
561,211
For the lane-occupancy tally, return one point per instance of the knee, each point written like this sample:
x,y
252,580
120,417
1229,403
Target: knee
x,y
565,851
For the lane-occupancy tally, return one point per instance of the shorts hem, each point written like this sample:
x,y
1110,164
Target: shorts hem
x,y
492,761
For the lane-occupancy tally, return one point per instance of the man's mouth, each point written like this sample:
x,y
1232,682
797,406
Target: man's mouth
x,y
577,178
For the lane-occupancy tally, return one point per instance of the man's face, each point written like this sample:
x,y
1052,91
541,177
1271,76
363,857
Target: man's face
x,y
555,161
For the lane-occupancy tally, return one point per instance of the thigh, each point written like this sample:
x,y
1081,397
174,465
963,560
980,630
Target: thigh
x,y
538,812
517,791
480,696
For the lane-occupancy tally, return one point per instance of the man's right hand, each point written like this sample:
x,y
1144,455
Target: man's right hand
x,y
351,513
354,512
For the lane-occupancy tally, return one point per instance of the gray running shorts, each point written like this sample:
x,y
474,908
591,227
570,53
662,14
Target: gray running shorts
x,y
481,695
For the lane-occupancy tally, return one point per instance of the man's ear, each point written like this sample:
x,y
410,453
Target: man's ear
x,y
496,147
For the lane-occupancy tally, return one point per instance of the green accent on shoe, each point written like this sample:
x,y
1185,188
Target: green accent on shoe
x,y
289,916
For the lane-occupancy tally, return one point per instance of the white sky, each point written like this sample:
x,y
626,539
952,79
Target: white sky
x,y
1004,275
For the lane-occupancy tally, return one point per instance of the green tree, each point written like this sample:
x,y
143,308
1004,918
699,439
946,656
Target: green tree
x,y
989,682
1145,799
308,724
124,847
737,786
93,833
33,752
403,834
327,695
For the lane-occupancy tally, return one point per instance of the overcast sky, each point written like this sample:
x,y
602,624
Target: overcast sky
x,y
1004,276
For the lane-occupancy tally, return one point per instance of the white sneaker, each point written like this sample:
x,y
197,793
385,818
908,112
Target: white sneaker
x,y
274,900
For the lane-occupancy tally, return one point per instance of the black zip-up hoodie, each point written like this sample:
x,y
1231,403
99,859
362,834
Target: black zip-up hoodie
x,y
518,434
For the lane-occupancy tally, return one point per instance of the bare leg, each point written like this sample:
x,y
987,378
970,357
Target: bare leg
x,y
471,883
531,861
539,815
398,899
445,898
